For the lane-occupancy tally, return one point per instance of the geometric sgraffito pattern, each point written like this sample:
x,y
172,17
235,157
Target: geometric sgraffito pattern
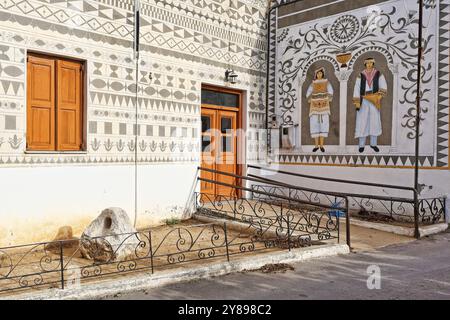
x,y
101,32
443,101
352,160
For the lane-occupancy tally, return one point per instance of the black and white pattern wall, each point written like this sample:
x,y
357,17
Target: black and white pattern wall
x,y
183,44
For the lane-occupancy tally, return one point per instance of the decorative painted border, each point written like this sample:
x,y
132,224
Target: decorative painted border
x,y
443,101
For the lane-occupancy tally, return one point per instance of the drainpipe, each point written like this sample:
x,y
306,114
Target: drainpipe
x,y
137,8
418,97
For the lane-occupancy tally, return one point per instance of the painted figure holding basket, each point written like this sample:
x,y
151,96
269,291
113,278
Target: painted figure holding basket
x,y
319,96
370,88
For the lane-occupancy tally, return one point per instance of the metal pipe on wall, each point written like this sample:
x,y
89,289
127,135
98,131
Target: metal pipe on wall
x,y
418,97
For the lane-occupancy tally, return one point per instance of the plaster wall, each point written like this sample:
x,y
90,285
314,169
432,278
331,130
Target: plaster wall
x,y
37,201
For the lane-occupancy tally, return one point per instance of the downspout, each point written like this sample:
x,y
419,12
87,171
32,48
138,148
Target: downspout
x,y
417,137
137,8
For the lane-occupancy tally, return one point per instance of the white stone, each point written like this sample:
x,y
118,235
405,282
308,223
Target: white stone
x,y
110,237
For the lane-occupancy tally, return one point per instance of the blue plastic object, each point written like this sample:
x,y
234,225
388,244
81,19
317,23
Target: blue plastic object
x,y
336,213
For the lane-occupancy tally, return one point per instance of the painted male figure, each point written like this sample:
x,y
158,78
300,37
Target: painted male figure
x,y
370,88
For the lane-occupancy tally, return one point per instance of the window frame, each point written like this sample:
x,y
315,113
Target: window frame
x,y
83,104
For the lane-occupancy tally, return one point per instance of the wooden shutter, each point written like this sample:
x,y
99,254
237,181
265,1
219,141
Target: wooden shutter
x,y
41,103
69,112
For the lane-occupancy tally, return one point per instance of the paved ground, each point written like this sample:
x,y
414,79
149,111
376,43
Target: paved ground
x,y
364,239
413,270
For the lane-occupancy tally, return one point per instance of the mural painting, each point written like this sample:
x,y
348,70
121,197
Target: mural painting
x,y
385,110
368,53
370,87
320,125
319,95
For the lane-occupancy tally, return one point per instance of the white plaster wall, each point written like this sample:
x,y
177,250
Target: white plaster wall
x,y
36,201
165,191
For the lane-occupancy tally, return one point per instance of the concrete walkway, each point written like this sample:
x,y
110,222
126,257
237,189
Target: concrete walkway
x,y
412,270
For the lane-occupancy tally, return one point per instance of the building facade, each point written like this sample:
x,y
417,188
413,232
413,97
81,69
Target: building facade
x,y
87,124
72,141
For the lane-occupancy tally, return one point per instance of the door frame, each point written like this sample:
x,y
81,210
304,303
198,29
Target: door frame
x,y
240,142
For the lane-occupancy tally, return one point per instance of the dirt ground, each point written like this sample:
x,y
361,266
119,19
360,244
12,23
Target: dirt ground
x,y
274,268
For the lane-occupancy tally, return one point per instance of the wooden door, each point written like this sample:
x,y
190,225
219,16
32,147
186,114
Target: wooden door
x,y
226,151
219,147
41,104
208,153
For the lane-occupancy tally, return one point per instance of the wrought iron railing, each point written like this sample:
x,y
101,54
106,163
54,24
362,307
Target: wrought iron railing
x,y
311,196
424,211
63,264
380,208
316,220
273,217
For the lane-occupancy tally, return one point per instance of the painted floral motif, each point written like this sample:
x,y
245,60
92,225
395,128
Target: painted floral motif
x,y
344,29
283,35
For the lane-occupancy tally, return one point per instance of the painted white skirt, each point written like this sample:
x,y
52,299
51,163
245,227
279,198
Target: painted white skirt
x,y
319,125
368,120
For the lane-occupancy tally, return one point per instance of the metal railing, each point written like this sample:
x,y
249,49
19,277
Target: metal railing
x,y
303,213
431,210
70,263
415,210
305,225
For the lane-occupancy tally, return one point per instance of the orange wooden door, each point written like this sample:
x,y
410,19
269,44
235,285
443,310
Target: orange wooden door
x,y
41,103
219,147
69,111
226,151
208,153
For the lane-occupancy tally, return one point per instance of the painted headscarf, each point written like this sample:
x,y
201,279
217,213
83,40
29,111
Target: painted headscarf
x,y
319,70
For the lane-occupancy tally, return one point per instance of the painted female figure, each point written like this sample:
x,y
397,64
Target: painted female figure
x,y
319,96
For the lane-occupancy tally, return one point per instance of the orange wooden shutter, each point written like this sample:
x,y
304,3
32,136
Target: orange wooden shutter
x,y
69,112
41,104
